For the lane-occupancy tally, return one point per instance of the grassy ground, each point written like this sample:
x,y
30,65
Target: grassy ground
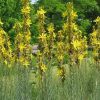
x,y
23,84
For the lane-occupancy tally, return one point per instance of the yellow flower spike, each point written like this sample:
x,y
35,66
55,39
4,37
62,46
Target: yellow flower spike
x,y
23,38
42,35
75,43
5,48
95,40
69,6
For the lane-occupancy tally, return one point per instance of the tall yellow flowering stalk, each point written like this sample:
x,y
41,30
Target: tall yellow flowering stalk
x,y
43,46
50,40
95,41
60,55
6,55
26,32
42,33
42,67
19,43
75,43
43,50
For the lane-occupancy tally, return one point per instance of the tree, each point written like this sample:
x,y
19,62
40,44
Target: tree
x,y
87,11
9,11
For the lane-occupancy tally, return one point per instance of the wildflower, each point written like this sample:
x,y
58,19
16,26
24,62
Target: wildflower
x,y
59,73
97,20
26,63
26,9
42,37
77,44
64,14
80,57
95,41
51,28
43,67
41,11
74,15
21,46
28,22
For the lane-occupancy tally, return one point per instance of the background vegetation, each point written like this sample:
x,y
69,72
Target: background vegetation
x,y
88,10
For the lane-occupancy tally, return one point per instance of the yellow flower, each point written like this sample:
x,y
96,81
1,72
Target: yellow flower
x,y
26,9
65,27
64,14
27,38
42,37
80,57
21,59
94,34
3,50
41,11
75,27
60,44
59,72
60,57
43,67
51,28
28,22
76,44
74,14
21,46
97,20
26,63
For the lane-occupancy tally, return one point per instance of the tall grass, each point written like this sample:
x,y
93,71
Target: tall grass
x,y
18,83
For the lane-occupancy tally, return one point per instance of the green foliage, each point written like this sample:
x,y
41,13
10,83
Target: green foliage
x,y
87,11
54,10
10,11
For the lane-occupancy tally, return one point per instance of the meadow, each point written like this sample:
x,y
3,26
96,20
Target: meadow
x,y
64,66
